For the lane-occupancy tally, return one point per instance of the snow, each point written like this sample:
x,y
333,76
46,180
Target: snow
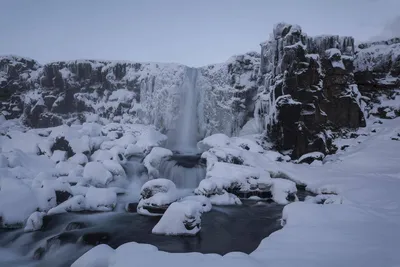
x,y
100,199
34,222
153,159
96,174
179,217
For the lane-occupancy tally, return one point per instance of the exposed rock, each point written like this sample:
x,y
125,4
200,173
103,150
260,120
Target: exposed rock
x,y
308,87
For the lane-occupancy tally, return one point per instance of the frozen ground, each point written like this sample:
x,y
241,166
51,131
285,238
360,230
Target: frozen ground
x,y
360,227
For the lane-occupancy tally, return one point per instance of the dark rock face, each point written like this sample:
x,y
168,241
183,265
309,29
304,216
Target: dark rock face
x,y
307,88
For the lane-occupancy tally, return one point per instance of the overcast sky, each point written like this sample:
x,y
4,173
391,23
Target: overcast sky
x,y
192,32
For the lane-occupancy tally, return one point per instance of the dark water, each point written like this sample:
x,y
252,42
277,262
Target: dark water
x,y
65,237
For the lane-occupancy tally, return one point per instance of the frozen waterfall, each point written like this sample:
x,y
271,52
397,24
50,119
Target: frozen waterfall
x,y
183,139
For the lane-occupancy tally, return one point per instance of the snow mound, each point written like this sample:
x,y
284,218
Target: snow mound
x,y
96,257
181,218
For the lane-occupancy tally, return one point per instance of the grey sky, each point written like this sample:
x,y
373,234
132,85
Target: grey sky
x,y
192,32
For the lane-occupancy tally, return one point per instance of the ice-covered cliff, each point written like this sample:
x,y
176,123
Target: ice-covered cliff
x,y
296,92
149,93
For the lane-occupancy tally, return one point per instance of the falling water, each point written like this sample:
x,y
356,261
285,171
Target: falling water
x,y
186,171
184,138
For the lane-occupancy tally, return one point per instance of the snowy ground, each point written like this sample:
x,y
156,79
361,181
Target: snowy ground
x,y
358,225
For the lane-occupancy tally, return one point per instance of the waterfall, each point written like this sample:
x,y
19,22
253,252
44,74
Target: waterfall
x,y
184,138
186,171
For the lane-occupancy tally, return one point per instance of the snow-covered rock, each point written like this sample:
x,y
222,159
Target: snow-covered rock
x,y
100,199
34,222
153,159
96,174
17,203
215,140
311,157
156,195
283,191
181,218
225,198
76,203
79,158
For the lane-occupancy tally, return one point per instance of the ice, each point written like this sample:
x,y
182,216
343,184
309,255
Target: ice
x,y
34,222
153,159
96,257
96,174
181,218
100,199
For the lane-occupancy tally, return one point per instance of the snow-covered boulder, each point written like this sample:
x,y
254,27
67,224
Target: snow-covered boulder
x,y
17,203
101,155
311,157
96,174
100,199
204,201
34,222
156,195
153,159
283,191
215,140
181,218
58,156
79,158
76,203
225,198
